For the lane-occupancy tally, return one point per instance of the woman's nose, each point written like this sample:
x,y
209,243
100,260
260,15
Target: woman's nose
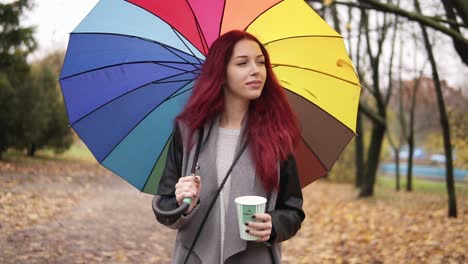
x,y
255,68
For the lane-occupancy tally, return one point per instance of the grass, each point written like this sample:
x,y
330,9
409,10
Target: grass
x,y
384,187
77,152
420,185
426,194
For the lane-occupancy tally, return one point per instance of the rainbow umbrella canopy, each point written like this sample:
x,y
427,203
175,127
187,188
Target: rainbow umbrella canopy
x,y
130,66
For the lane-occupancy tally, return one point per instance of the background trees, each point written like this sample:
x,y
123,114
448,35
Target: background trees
x,y
32,114
373,30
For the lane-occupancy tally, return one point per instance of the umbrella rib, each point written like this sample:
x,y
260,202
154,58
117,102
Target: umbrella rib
x,y
200,62
310,148
109,168
168,23
156,162
129,63
259,15
312,70
169,48
141,120
337,156
315,154
321,109
101,106
200,32
173,67
222,18
302,36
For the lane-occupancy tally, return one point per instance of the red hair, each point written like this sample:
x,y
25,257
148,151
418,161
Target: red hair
x,y
272,127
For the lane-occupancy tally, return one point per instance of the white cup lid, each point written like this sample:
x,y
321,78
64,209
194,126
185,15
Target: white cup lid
x,y
250,200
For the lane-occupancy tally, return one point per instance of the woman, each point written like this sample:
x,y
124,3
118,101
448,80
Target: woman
x,y
237,101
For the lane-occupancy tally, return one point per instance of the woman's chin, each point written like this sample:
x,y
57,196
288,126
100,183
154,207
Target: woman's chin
x,y
253,95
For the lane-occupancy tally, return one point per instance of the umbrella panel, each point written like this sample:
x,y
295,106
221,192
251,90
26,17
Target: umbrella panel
x,y
135,157
104,128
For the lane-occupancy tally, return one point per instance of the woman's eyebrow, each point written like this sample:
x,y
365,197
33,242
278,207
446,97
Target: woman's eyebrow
x,y
245,56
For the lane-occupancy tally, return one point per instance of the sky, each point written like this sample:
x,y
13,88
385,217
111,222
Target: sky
x,y
55,19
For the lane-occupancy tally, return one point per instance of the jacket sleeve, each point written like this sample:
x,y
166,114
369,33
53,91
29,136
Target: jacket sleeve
x,y
171,174
288,214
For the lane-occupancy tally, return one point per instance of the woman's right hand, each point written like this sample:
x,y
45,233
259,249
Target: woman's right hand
x,y
188,187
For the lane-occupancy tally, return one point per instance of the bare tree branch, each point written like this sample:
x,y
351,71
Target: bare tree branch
x,y
365,109
414,16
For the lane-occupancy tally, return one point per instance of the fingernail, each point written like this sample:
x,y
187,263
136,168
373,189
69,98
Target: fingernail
x,y
247,231
246,224
253,216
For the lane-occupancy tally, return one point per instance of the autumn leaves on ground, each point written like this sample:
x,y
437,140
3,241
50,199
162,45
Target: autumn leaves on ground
x,y
62,211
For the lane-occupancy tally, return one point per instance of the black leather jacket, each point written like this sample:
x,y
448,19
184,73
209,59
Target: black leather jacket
x,y
287,216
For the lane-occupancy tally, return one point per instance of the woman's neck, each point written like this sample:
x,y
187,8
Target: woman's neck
x,y
234,112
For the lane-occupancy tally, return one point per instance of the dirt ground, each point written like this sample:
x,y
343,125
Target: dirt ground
x,y
90,217
77,212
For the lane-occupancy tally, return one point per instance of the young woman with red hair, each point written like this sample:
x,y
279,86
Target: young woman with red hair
x,y
237,102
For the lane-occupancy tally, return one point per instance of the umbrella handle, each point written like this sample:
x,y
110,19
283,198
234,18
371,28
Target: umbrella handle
x,y
172,214
176,213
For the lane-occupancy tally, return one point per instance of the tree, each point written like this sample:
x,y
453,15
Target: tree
x,y
395,143
6,94
57,135
378,117
16,42
42,115
452,201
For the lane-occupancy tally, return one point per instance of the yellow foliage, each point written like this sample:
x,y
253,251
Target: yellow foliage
x,y
459,130
327,2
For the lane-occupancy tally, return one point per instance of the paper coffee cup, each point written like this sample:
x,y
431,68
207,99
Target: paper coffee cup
x,y
247,206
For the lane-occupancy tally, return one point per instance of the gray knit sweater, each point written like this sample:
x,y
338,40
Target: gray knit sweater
x,y
227,142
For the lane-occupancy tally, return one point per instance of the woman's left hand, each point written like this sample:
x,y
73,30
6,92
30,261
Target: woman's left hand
x,y
261,229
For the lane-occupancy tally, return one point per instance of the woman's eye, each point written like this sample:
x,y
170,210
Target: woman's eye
x,y
261,62
241,63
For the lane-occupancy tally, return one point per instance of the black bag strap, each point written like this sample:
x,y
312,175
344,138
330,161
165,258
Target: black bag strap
x,y
270,247
200,228
197,152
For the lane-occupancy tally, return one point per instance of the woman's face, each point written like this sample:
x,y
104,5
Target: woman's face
x,y
246,72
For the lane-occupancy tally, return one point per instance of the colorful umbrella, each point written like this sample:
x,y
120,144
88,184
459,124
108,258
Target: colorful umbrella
x,y
130,66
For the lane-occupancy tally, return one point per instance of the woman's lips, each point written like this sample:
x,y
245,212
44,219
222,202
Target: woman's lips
x,y
254,84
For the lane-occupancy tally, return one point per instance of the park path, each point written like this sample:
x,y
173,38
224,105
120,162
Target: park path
x,y
108,221
78,212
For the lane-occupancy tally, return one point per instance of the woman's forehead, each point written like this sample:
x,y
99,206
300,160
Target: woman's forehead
x,y
246,48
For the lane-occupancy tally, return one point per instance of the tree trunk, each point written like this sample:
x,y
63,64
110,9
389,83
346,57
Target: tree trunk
x,y
336,19
410,136
450,13
379,121
462,8
452,202
397,165
32,150
373,156
409,171
359,157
